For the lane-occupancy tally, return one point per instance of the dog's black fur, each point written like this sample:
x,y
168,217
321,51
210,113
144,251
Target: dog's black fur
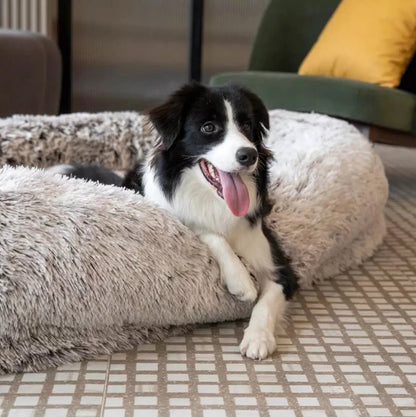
x,y
134,178
93,173
174,119
177,118
181,144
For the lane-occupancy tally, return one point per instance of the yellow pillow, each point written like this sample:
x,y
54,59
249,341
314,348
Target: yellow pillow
x,y
366,40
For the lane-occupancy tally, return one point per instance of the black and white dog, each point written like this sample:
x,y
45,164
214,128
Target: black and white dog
x,y
210,169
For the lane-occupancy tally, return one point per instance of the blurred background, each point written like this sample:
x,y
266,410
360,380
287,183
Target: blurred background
x,y
129,54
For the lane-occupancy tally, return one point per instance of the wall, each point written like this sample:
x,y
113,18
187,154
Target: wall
x,y
129,54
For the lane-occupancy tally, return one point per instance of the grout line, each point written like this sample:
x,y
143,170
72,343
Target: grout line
x,y
104,398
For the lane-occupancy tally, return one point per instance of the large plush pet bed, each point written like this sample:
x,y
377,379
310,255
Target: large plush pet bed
x,y
86,269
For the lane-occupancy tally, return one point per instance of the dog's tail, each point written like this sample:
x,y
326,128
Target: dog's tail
x,y
96,173
88,172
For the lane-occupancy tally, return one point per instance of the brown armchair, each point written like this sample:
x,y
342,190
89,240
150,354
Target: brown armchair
x,y
30,74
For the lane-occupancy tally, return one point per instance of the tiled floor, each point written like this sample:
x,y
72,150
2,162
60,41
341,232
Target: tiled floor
x,y
348,351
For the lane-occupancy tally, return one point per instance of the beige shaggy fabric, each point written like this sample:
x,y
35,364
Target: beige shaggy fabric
x,y
87,268
349,349
114,140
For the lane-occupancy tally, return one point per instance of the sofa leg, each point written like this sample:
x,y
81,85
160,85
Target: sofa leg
x,y
391,137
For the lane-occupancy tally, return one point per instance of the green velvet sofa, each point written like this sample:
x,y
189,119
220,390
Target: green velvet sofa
x,y
288,30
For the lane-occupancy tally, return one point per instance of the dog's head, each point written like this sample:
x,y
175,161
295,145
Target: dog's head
x,y
221,129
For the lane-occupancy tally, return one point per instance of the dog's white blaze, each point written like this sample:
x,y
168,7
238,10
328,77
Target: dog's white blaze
x,y
223,155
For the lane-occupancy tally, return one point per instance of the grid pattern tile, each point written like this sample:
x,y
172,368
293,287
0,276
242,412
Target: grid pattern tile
x,y
349,350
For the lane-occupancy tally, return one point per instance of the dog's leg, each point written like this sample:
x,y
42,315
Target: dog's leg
x,y
259,247
234,274
259,337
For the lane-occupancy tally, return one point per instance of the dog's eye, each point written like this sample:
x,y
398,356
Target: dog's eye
x,y
246,125
209,128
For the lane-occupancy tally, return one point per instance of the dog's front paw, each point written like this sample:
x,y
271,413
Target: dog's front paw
x,y
238,281
243,289
257,343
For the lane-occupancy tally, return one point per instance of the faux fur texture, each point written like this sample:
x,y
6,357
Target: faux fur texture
x,y
87,269
114,140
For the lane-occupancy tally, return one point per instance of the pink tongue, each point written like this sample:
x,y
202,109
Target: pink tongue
x,y
235,193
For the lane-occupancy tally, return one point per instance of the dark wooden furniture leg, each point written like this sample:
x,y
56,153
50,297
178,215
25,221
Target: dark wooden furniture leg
x,y
391,137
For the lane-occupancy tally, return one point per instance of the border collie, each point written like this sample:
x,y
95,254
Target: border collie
x,y
209,168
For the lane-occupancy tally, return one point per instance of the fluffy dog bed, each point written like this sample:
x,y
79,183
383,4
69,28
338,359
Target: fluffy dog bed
x,y
86,269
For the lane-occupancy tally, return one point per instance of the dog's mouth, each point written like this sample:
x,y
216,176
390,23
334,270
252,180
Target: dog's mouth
x,y
229,186
211,175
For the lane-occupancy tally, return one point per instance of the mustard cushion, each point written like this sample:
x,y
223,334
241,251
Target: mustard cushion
x,y
365,40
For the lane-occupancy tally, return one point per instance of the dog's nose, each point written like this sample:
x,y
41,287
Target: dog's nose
x,y
246,156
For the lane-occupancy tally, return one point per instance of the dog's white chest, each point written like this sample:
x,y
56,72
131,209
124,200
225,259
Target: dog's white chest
x,y
196,205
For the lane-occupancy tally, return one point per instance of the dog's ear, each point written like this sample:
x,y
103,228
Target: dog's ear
x,y
169,117
260,113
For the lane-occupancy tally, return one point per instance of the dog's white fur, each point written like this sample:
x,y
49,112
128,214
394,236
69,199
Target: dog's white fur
x,y
197,205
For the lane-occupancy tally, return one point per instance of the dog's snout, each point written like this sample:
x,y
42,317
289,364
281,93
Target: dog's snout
x,y
246,156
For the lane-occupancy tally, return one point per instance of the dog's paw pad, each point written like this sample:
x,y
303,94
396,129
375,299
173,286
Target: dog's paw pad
x,y
257,344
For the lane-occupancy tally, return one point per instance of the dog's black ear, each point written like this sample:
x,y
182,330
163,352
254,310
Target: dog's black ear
x,y
260,112
169,117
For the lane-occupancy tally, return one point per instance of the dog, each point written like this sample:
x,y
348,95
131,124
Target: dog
x,y
209,168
